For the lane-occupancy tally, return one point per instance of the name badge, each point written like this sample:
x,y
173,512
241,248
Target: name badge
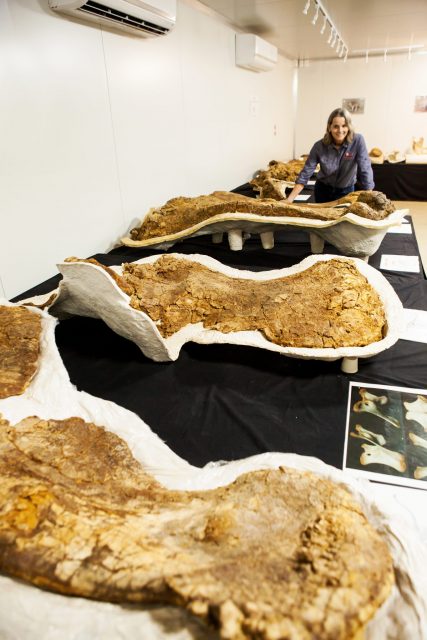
x,y
348,154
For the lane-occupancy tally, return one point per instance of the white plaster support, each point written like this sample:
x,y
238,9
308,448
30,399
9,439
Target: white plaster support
x,y
350,365
217,237
267,239
317,244
235,239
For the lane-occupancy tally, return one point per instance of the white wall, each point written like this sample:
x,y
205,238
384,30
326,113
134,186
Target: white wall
x,y
96,127
389,88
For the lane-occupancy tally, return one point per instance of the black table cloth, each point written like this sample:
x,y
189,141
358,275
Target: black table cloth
x,y
401,181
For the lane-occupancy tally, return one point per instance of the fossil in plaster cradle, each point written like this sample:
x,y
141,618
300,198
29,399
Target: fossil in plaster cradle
x,y
355,224
272,182
38,451
325,308
19,349
276,554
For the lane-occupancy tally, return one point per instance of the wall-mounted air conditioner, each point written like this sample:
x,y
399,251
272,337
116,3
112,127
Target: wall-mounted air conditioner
x,y
252,52
154,17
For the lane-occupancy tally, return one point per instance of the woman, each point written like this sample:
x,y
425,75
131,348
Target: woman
x,y
343,159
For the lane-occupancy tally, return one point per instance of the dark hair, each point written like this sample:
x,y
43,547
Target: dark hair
x,y
340,113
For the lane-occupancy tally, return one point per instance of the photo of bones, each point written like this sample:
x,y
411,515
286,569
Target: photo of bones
x,y
387,432
213,320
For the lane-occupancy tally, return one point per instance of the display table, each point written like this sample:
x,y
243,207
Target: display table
x,y
401,181
223,402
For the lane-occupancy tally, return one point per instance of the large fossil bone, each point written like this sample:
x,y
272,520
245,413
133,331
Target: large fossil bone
x,y
83,517
368,406
88,289
375,454
356,226
29,613
19,349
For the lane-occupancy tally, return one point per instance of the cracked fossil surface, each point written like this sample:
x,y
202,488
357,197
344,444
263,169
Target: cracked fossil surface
x,y
277,553
324,308
19,349
330,304
110,512
355,224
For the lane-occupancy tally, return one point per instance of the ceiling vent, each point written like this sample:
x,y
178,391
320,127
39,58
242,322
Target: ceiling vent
x,y
156,17
252,52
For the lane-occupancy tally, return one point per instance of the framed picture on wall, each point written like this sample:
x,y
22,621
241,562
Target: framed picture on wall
x,y
354,105
420,104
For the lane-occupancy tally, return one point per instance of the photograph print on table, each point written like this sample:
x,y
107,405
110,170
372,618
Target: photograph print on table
x,y
386,434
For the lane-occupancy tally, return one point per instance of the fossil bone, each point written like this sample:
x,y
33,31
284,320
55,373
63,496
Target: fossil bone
x,y
419,417
275,549
366,395
417,441
420,473
20,331
369,406
375,454
89,289
417,411
368,435
419,405
356,224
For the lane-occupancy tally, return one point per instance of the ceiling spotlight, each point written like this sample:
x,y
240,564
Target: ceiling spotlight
x,y
334,39
306,8
316,15
330,36
346,54
339,46
322,30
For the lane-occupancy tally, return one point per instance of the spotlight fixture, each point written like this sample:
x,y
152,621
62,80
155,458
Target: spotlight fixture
x,y
316,15
322,30
334,40
346,54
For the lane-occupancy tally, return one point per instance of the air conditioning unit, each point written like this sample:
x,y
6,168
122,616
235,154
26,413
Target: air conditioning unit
x,y
155,17
252,52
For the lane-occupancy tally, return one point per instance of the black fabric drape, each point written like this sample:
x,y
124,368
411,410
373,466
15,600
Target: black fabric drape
x,y
401,181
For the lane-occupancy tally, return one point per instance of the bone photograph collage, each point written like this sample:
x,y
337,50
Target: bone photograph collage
x,y
213,320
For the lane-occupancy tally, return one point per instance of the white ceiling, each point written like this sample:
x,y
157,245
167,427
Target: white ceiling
x,y
364,25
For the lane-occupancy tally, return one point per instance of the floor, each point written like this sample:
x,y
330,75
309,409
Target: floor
x,y
418,211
